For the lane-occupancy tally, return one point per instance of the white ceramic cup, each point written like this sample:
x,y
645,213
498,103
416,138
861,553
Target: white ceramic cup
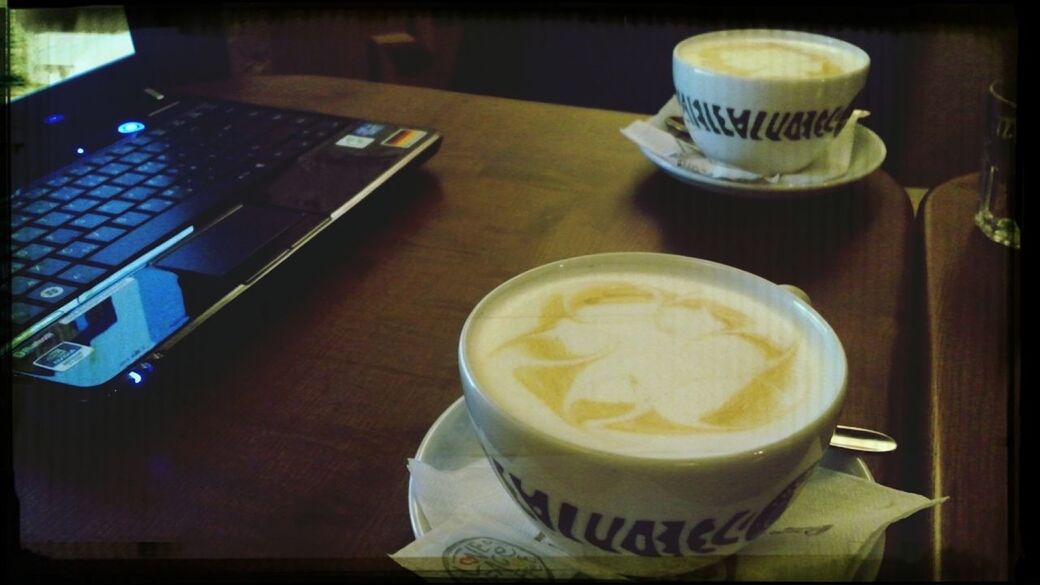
x,y
642,514
767,101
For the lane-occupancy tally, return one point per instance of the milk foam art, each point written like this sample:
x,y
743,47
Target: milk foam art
x,y
648,364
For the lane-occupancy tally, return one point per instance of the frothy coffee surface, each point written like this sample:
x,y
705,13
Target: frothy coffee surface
x,y
646,363
769,57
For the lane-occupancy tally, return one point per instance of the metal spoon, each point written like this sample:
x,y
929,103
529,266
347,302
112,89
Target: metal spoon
x,y
857,439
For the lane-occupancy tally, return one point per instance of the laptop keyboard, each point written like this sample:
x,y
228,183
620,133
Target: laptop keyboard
x,y
76,228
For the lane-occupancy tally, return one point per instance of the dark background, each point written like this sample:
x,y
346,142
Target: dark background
x,y
931,63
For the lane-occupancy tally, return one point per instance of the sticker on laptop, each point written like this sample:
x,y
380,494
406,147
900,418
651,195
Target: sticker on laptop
x,y
368,129
63,356
352,141
404,138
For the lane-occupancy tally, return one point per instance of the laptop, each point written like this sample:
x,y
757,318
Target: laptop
x,y
137,213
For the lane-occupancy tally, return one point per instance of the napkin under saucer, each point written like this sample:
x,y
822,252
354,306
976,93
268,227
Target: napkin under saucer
x,y
454,498
856,153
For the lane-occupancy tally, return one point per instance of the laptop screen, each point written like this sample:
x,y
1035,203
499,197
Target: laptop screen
x,y
49,46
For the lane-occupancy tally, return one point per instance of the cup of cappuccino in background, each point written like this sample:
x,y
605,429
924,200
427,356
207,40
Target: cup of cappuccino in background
x,y
767,101
652,413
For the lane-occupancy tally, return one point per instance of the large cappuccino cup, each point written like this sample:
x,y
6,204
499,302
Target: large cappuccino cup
x,y
767,101
652,413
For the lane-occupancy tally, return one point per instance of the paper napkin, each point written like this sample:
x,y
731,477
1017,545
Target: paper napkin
x,y
652,135
477,532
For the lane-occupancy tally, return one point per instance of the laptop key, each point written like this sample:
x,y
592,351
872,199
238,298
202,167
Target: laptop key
x,y
62,236
77,250
22,313
114,169
58,181
22,284
129,179
136,157
80,170
150,168
53,219
105,191
155,205
131,219
51,293
81,274
65,194
104,234
19,219
102,159
121,149
47,267
80,205
115,207
90,181
40,206
33,193
160,181
32,252
178,192
89,221
27,234
138,193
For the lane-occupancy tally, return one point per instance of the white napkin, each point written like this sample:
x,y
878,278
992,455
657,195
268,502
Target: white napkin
x,y
828,533
653,136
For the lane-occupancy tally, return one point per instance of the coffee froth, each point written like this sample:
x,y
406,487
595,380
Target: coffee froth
x,y
769,57
645,363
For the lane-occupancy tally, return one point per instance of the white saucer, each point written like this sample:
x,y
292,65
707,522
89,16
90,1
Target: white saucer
x,y
451,442
868,152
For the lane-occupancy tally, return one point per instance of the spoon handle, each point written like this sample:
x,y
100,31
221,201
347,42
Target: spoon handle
x,y
857,439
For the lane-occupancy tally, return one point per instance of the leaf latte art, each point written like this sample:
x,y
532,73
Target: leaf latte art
x,y
616,386
660,363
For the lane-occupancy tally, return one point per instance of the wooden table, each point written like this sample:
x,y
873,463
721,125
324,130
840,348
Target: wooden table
x,y
972,308
281,428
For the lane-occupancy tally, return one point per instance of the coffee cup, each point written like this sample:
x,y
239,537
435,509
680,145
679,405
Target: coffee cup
x,y
767,101
651,413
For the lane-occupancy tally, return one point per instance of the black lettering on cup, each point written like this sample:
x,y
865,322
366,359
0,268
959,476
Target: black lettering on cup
x,y
773,131
722,537
794,127
697,540
537,501
819,128
669,537
739,123
687,106
717,110
568,513
833,121
760,117
698,116
640,539
602,542
807,124
708,118
845,115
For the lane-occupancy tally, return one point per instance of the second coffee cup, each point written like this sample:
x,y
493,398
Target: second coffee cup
x,y
767,101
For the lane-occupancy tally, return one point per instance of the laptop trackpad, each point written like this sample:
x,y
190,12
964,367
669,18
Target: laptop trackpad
x,y
242,240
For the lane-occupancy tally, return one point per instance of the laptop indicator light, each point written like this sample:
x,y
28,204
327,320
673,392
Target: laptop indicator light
x,y
130,127
138,375
54,119
80,150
